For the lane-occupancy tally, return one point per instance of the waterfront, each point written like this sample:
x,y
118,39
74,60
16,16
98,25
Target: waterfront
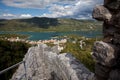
x,y
35,36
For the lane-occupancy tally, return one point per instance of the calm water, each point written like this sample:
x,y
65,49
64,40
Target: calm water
x,y
49,35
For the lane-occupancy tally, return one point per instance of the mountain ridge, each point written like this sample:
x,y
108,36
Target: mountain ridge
x,y
46,24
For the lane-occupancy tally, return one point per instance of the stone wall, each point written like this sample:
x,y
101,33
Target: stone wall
x,y
107,52
44,63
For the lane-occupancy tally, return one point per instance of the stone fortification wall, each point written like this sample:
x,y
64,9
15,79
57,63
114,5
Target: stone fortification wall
x,y
107,52
44,63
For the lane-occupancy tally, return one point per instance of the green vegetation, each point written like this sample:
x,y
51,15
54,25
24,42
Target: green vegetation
x,y
82,54
10,54
49,24
4,36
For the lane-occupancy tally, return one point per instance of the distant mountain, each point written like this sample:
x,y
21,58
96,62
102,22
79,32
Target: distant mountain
x,y
2,20
48,24
41,22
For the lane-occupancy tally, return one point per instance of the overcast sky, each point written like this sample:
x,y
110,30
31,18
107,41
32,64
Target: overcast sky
x,y
79,9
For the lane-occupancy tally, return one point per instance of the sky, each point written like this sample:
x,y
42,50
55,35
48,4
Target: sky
x,y
78,9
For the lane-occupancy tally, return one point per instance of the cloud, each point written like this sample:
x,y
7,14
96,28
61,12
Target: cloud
x,y
13,16
8,15
31,3
80,10
83,9
58,11
25,15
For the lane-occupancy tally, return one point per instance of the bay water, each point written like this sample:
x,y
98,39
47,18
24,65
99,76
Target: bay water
x,y
48,35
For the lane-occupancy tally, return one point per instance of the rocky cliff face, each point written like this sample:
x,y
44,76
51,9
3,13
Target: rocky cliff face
x,y
44,63
107,52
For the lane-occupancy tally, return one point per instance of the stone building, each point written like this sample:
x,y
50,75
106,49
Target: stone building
x,y
107,52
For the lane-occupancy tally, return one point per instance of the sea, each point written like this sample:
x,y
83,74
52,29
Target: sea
x,y
35,36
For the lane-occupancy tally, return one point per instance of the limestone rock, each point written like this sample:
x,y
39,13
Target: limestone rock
x,y
104,53
55,49
42,63
101,13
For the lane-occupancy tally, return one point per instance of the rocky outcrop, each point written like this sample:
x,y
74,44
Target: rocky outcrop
x,y
101,13
44,63
106,52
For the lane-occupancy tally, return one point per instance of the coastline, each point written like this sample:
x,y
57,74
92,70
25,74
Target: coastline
x,y
54,41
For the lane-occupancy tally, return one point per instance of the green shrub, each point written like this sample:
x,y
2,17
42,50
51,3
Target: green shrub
x,y
10,54
84,54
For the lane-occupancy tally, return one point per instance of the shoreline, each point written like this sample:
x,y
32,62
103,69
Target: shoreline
x,y
54,41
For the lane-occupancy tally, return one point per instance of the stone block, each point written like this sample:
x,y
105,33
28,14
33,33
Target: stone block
x,y
104,53
110,30
101,72
113,5
116,39
106,2
101,13
114,75
111,33
118,20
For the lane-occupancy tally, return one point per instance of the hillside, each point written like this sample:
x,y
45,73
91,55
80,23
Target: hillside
x,y
48,24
